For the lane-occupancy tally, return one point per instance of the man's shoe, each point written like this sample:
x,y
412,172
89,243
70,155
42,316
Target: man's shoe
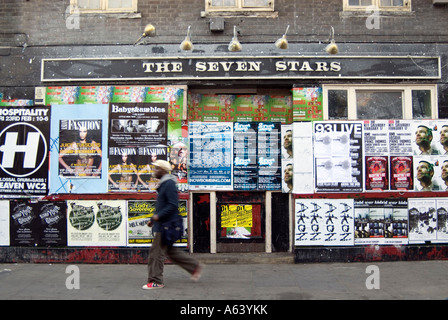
x,y
152,285
196,275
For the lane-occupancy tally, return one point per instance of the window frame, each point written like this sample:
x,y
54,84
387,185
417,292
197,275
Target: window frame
x,y
406,94
376,3
104,8
239,7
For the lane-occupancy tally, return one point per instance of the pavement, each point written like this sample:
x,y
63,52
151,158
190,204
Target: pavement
x,y
236,281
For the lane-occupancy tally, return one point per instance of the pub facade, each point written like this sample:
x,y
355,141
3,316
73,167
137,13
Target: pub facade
x,y
326,141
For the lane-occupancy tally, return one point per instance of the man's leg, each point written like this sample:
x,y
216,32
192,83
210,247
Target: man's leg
x,y
156,260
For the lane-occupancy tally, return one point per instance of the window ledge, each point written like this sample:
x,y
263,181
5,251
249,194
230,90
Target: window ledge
x,y
118,15
382,13
240,14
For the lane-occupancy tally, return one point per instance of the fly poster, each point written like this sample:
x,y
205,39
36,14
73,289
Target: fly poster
x,y
137,137
4,223
324,222
24,149
96,223
140,213
38,224
211,159
338,156
78,149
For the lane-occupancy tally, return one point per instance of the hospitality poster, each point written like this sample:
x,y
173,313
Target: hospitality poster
x,y
96,223
137,137
24,148
78,144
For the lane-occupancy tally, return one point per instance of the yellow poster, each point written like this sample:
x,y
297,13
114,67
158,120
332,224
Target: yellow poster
x,y
233,215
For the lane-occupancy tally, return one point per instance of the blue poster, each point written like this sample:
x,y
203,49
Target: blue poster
x,y
211,159
78,149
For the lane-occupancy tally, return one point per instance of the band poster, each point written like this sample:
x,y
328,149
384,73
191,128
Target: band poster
x,y
4,223
211,160
78,149
256,156
137,137
24,148
381,221
38,223
338,156
140,213
324,222
96,223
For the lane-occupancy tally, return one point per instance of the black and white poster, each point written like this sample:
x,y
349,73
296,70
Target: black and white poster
x,y
24,149
324,222
338,156
138,134
24,224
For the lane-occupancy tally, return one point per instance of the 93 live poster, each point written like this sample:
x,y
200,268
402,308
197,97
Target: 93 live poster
x,y
24,148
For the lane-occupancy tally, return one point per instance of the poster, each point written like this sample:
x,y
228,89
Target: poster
x,y
23,224
442,220
381,222
237,220
269,156
245,156
140,213
137,138
211,158
96,223
78,145
4,223
307,104
338,156
422,220
52,217
324,222
24,148
302,165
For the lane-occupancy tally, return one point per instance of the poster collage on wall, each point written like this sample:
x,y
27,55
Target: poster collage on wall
x,y
97,140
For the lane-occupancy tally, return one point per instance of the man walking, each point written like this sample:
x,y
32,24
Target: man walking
x,y
166,210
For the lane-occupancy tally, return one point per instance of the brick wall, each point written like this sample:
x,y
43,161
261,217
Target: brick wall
x,y
40,22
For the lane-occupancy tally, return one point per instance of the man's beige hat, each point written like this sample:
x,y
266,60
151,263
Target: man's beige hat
x,y
165,165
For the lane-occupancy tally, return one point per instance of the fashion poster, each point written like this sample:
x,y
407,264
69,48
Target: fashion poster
x,y
96,223
211,155
338,156
137,138
4,223
79,149
324,222
24,149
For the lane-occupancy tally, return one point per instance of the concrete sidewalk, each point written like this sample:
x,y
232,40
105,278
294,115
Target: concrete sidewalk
x,y
231,282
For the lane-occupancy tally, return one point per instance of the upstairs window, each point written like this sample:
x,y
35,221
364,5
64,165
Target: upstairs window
x,y
239,5
382,5
104,6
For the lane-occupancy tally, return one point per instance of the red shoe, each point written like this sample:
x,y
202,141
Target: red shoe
x,y
152,285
